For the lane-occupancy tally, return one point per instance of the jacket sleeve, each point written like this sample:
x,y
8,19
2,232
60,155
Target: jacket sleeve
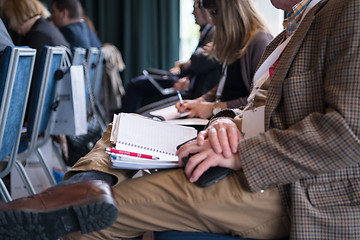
x,y
314,129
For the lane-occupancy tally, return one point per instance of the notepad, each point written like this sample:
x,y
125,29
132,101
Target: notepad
x,y
135,133
168,113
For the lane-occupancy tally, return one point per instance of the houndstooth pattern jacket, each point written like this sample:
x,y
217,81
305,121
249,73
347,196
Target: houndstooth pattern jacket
x,y
311,147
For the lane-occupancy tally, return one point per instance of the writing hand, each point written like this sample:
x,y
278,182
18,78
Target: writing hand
x,y
197,108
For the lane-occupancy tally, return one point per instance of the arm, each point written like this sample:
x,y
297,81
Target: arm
x,y
320,132
199,64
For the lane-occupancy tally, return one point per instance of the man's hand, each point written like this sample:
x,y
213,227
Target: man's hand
x,y
204,158
223,136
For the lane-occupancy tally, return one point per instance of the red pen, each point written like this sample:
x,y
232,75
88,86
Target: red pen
x,y
133,154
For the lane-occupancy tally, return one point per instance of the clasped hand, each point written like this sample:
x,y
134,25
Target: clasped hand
x,y
217,145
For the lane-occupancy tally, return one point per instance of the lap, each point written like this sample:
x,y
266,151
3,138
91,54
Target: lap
x,y
168,201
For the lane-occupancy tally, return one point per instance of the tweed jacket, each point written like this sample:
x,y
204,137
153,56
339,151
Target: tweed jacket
x,y
311,147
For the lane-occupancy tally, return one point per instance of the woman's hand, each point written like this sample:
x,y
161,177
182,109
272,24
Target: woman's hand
x,y
181,84
197,108
223,136
204,158
176,69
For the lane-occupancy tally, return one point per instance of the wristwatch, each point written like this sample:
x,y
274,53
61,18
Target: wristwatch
x,y
216,108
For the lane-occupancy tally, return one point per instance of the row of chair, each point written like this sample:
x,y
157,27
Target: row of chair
x,y
17,65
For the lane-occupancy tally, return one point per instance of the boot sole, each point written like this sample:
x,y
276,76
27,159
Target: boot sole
x,y
22,224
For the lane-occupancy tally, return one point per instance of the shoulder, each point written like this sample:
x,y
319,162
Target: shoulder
x,y
47,33
259,42
261,37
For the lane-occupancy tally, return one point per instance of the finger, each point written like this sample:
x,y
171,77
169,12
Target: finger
x,y
192,113
214,140
234,138
181,107
204,164
187,149
177,105
201,137
224,141
193,162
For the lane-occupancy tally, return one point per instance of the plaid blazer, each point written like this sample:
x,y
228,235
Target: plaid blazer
x,y
311,147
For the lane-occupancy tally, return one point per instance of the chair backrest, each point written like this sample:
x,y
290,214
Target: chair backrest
x,y
43,93
97,84
92,57
16,64
92,60
78,56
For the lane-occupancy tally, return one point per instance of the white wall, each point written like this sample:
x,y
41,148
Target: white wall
x,y
273,17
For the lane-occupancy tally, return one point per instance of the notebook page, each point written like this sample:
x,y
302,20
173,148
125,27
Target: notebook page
x,y
114,128
169,113
143,135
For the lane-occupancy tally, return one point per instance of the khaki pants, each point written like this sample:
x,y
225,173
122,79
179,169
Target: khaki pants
x,y
168,201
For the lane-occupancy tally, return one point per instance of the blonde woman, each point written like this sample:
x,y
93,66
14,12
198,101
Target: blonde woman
x,y
240,40
27,18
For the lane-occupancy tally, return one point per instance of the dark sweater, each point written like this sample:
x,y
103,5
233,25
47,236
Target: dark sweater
x,y
80,35
241,72
43,33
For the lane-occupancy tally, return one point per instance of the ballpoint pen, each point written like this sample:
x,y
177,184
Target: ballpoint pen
x,y
180,97
133,154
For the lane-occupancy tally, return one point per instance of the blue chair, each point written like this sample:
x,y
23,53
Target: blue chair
x,y
16,65
93,74
78,56
98,88
40,106
92,60
97,83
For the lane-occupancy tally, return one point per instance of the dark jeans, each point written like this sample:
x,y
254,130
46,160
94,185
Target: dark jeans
x,y
139,89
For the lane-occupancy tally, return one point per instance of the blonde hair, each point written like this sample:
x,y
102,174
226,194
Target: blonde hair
x,y
20,11
237,23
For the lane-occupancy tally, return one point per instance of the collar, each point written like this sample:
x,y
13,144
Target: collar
x,y
294,17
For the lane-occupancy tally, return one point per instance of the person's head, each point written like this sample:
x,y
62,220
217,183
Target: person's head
x,y
285,4
65,12
202,17
20,12
236,22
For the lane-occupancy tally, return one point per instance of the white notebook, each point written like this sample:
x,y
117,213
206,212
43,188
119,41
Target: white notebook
x,y
135,133
168,113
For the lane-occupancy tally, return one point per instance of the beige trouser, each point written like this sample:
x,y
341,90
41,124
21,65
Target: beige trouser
x,y
168,201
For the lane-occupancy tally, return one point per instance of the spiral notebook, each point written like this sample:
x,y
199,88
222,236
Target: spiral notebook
x,y
135,133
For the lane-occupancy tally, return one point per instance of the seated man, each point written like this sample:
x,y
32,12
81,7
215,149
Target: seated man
x,y
66,15
198,75
303,170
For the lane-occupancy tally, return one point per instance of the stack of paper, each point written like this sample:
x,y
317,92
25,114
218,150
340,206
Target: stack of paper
x,y
144,136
